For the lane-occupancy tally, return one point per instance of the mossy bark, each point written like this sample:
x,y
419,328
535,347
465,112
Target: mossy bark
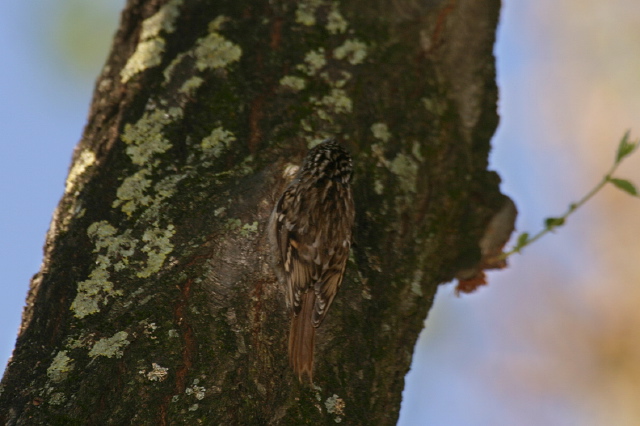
x,y
155,303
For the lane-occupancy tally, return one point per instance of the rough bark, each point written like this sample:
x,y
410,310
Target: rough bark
x,y
155,303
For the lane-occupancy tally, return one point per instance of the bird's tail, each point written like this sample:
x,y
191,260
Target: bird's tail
x,y
302,338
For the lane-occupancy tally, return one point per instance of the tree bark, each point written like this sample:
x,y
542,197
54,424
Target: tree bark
x,y
155,303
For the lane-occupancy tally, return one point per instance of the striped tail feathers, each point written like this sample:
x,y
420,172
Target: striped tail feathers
x,y
302,338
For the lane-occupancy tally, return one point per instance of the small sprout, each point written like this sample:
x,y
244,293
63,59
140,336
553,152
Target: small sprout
x,y
625,148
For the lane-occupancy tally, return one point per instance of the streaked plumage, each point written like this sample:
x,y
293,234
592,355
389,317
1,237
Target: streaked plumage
x,y
310,233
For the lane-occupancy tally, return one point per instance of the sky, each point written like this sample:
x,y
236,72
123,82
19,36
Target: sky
x,y
534,347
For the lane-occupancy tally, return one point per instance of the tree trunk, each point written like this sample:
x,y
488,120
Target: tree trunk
x,y
155,303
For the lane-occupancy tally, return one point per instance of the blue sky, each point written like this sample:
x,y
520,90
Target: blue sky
x,y
456,377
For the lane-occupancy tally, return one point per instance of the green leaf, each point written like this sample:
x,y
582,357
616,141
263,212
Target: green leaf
x,y
523,239
625,147
625,185
553,222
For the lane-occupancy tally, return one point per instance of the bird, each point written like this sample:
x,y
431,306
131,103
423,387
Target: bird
x,y
310,234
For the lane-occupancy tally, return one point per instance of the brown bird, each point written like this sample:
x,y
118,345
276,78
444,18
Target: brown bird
x,y
310,232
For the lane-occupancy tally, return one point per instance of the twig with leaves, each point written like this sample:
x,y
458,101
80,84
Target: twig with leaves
x,y
625,148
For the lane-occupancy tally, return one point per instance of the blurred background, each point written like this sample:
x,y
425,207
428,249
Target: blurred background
x,y
553,340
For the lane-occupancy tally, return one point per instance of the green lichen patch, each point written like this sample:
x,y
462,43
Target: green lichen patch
x,y
157,245
163,20
133,192
151,46
60,367
306,12
314,61
293,83
381,131
217,142
110,347
92,292
148,54
190,86
214,51
354,51
336,24
335,102
145,138
406,168
114,252
335,405
57,398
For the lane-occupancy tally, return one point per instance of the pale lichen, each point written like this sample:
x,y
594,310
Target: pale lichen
x,y
190,86
157,373
381,131
249,229
335,405
132,193
217,142
434,105
145,138
314,61
60,367
110,346
406,168
92,292
306,12
57,398
293,83
151,46
378,187
336,102
336,24
197,391
354,51
214,51
114,251
157,246
416,287
85,160
163,20
148,54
